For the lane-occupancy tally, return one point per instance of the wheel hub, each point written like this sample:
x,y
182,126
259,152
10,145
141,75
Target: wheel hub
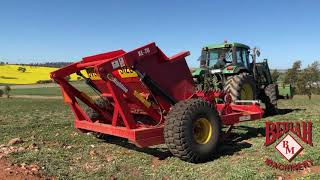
x,y
202,130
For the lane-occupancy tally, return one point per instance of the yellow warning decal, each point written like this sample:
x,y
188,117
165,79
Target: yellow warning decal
x,y
127,73
92,75
142,99
124,73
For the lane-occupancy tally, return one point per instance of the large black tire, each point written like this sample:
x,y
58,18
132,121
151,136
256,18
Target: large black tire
x,y
181,130
270,99
237,84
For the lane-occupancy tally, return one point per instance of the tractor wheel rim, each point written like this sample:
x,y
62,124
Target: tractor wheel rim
x,y
202,130
246,92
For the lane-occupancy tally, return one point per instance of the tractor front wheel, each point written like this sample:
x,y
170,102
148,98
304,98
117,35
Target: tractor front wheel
x,y
192,130
241,87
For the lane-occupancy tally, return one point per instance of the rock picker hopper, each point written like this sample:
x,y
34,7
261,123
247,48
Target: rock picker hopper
x,y
150,99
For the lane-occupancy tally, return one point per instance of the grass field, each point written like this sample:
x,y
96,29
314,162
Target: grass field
x,y
65,153
9,74
50,91
47,91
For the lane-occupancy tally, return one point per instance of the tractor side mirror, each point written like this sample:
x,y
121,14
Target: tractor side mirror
x,y
258,52
203,63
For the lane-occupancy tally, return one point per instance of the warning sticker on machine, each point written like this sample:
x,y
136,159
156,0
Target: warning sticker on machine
x,y
127,73
92,75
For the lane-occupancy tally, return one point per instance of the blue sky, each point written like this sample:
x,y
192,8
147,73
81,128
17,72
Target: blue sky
x,y
66,30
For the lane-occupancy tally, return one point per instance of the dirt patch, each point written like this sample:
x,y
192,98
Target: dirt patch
x,y
19,171
156,162
315,169
302,173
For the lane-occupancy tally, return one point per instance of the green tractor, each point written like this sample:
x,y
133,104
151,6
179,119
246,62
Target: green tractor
x,y
232,67
286,91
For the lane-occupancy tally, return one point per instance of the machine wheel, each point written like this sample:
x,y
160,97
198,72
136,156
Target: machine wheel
x,y
192,130
241,87
271,99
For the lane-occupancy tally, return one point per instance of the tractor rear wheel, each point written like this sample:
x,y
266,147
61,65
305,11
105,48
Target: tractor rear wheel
x,y
241,87
270,99
192,130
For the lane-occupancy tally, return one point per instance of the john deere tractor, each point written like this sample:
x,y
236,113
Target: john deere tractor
x,y
232,67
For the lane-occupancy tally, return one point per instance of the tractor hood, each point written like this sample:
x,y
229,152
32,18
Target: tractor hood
x,y
198,72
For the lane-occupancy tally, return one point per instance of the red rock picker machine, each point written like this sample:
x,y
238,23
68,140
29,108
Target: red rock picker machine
x,y
150,99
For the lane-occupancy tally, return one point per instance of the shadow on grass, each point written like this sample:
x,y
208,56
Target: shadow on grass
x,y
160,153
283,112
234,143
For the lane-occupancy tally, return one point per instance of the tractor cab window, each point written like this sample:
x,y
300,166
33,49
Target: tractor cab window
x,y
229,56
242,57
203,59
239,57
245,57
219,58
213,58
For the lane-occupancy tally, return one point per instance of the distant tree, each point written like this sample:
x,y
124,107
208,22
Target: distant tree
x,y
308,81
48,64
275,75
291,76
7,90
301,84
44,81
313,76
51,64
22,69
1,92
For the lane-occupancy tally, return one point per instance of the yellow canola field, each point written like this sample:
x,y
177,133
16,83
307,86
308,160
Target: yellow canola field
x,y
9,74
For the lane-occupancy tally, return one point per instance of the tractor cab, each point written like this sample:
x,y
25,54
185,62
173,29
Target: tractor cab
x,y
228,57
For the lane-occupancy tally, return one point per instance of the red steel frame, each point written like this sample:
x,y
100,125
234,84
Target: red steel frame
x,y
120,91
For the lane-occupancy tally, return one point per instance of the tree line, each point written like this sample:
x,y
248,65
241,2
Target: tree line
x,y
304,81
46,64
3,63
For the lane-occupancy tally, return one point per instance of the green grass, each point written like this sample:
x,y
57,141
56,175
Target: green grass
x,y
49,124
49,91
